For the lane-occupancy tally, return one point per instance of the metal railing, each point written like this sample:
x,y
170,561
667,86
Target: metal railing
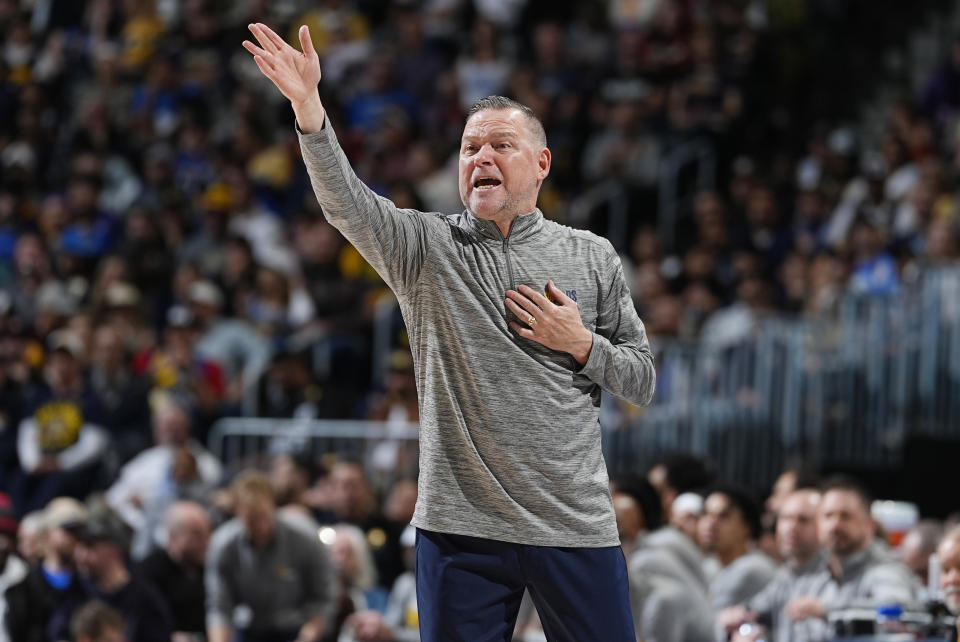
x,y
844,389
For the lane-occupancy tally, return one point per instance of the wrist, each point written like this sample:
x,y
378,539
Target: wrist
x,y
310,113
584,345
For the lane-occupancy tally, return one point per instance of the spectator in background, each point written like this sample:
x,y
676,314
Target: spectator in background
x,y
667,601
728,530
678,473
230,341
96,621
13,570
400,621
352,501
32,537
799,547
123,395
177,467
916,549
351,558
52,583
176,569
294,599
858,570
59,444
948,556
102,542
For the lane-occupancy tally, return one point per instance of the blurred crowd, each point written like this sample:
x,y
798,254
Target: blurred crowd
x,y
163,264
292,551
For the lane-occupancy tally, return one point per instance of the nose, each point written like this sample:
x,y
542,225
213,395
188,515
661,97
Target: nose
x,y
484,155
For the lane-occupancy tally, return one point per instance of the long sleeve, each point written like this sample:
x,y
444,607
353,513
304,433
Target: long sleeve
x,y
220,598
620,360
392,240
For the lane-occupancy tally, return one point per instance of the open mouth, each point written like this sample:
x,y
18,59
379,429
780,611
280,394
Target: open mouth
x,y
485,183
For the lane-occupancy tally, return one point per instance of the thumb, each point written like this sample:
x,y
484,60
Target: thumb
x,y
306,43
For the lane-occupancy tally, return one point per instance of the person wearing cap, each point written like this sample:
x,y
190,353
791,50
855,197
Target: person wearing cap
x,y
60,442
230,341
52,583
267,578
13,570
104,575
516,324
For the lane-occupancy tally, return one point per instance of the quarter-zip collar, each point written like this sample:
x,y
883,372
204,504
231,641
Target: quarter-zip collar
x,y
524,226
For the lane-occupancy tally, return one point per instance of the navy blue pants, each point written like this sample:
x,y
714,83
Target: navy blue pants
x,y
470,589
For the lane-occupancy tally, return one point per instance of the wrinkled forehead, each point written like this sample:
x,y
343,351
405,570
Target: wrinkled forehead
x,y
488,122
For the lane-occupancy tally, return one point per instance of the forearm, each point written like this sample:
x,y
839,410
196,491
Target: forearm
x,y
393,241
625,371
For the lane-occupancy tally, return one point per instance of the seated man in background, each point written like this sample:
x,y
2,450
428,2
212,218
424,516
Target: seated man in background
x,y
176,570
176,467
799,547
948,555
101,553
728,530
52,583
858,570
667,601
267,579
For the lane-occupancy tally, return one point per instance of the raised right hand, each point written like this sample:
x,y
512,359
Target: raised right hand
x,y
296,74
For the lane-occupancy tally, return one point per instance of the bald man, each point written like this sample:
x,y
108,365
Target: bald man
x,y
177,568
799,546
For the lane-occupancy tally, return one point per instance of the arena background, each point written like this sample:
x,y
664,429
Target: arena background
x,y
779,176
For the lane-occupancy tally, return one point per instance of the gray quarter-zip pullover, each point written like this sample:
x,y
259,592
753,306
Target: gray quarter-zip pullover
x,y
509,436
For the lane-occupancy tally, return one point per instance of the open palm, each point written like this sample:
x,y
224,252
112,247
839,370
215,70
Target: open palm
x,y
296,74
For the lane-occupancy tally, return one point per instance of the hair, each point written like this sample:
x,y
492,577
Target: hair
x,y
744,501
951,535
366,577
850,485
93,619
492,103
646,497
806,478
250,486
686,472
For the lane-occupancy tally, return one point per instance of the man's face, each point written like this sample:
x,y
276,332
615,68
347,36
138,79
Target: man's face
x,y
348,490
501,165
94,559
189,541
629,518
844,523
797,525
948,553
722,527
258,517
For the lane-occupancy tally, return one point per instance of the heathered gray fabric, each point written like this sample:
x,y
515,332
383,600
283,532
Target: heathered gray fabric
x,y
509,436
739,581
